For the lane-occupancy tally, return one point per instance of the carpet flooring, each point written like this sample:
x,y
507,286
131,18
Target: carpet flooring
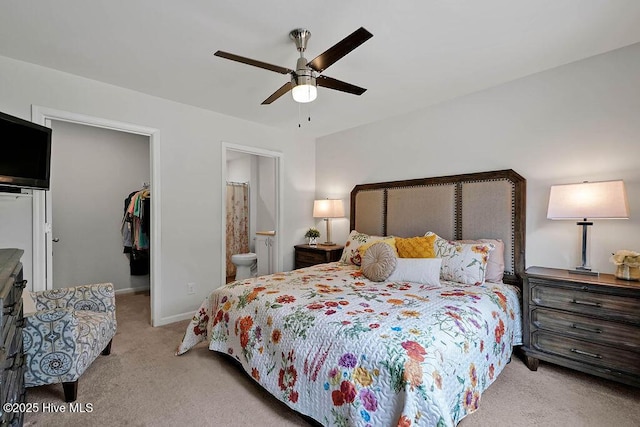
x,y
142,383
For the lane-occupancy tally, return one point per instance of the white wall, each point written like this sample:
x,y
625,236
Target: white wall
x,y
15,229
574,123
266,200
191,178
94,170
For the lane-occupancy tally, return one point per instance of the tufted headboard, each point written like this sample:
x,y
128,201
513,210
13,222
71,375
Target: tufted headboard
x,y
469,206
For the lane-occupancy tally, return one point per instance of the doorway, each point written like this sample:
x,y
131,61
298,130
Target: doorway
x,y
258,173
96,169
42,211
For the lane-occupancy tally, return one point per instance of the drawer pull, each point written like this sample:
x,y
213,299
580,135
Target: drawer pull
x,y
8,309
586,353
582,328
20,284
591,303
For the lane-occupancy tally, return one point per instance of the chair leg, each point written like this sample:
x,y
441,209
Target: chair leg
x,y
107,349
70,391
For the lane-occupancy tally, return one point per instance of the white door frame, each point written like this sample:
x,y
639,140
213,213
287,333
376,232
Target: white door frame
x,y
42,233
279,166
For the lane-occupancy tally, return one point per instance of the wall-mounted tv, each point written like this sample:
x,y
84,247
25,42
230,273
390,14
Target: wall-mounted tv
x,y
25,154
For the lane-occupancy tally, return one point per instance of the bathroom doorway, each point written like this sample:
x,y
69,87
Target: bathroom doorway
x,y
251,207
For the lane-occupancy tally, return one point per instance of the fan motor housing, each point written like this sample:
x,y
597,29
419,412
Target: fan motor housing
x,y
303,75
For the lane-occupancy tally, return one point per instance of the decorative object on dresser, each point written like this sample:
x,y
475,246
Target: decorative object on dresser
x,y
308,255
11,321
328,209
628,264
585,201
312,234
70,328
587,323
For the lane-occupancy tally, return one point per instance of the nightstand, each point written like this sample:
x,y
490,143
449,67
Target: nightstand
x,y
307,255
587,323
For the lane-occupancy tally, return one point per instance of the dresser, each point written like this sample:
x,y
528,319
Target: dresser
x,y
587,323
11,322
307,255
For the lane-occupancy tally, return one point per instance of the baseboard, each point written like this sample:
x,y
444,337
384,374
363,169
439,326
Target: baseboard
x,y
165,320
175,318
131,290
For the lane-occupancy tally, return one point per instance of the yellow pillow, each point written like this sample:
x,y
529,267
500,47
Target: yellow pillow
x,y
416,247
391,241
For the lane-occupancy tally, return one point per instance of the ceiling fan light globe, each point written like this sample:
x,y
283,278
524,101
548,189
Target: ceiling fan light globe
x,y
304,93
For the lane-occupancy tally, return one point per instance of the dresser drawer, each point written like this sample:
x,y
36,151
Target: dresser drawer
x,y
310,257
11,292
11,322
590,303
587,352
306,255
11,328
590,329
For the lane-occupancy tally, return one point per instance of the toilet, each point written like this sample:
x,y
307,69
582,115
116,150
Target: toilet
x,y
246,265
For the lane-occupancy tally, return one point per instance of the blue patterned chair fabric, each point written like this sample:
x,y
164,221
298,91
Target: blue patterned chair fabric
x,y
71,327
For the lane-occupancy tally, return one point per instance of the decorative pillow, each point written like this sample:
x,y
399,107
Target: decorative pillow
x,y
350,254
462,262
416,247
418,270
495,264
390,241
378,262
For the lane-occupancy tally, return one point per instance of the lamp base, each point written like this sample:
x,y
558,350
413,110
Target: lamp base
x,y
584,271
328,243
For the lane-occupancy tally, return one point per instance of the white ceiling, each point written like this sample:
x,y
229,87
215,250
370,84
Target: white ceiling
x,y
422,52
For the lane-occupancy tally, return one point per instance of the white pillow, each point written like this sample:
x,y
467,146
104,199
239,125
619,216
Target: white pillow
x,y
425,271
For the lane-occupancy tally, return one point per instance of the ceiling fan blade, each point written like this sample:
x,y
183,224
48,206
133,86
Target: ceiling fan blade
x,y
277,94
332,83
340,49
248,61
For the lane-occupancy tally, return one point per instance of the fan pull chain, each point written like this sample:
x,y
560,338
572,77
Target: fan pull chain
x,y
300,114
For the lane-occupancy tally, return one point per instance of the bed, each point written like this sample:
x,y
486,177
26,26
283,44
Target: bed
x,y
348,351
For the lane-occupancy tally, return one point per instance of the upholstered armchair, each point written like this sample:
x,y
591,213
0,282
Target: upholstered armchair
x,y
67,332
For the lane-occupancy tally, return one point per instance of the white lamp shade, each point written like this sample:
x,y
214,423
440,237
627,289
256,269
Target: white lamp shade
x,y
304,93
328,208
590,200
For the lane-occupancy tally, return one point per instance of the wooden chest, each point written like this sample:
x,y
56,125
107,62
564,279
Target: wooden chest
x,y
11,322
588,323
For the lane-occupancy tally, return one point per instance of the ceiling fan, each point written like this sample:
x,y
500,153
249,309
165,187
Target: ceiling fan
x,y
306,77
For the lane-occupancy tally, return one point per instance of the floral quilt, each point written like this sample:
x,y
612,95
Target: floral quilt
x,y
350,352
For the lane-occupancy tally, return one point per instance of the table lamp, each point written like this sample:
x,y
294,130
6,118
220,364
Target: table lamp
x,y
587,201
327,209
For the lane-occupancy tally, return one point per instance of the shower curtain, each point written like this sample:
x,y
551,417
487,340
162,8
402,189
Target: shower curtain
x,y
237,222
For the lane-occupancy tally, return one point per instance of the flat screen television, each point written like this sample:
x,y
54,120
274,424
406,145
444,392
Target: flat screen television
x,y
25,154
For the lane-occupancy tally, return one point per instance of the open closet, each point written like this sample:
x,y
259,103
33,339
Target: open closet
x,y
93,171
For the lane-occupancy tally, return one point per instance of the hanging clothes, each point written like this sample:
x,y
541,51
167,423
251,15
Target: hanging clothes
x,y
135,231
